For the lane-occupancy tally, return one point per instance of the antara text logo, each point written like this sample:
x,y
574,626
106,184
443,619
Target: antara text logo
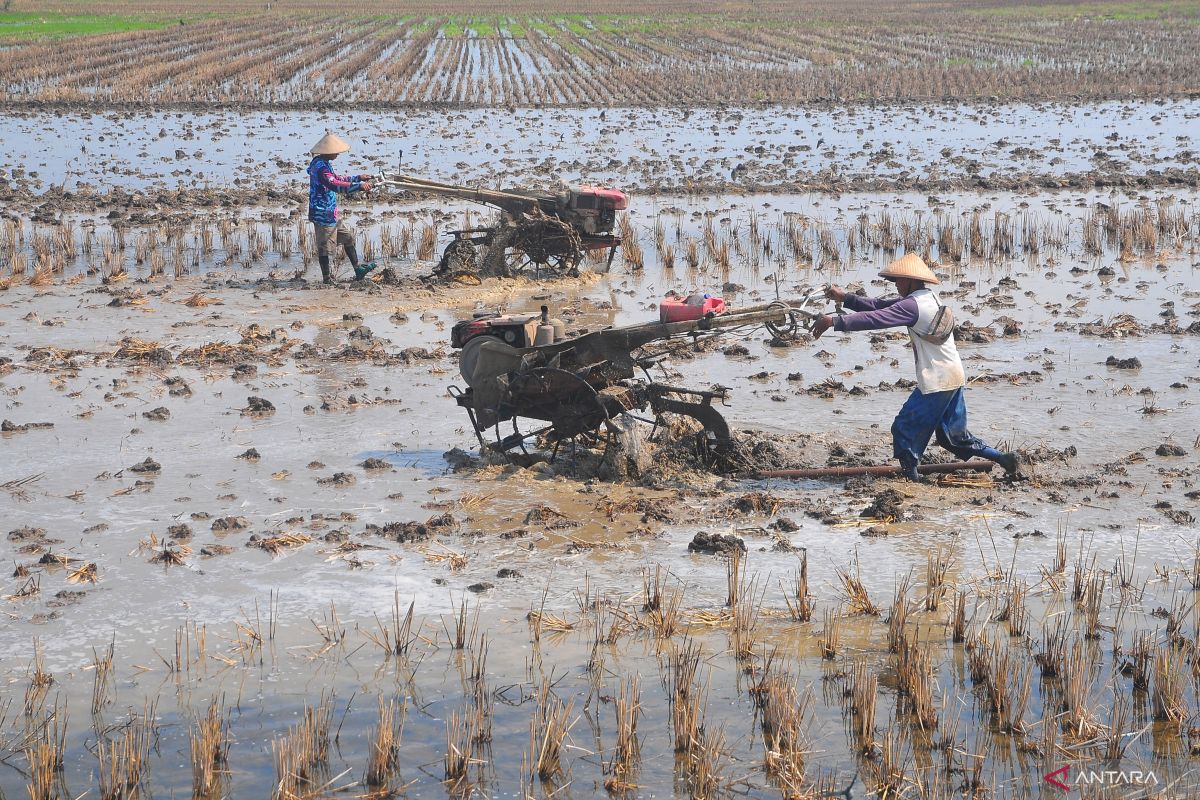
x,y
1063,779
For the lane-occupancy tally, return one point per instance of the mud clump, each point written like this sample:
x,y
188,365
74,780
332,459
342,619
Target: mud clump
x,y
147,467
1041,455
969,334
657,509
1167,449
148,352
258,406
548,517
227,524
765,454
26,534
887,505
32,537
481,587
408,532
180,532
757,503
8,426
375,464
841,457
827,389
1123,363
780,544
245,372
411,354
337,480
177,387
250,455
1176,515
160,414
715,543
515,533
67,597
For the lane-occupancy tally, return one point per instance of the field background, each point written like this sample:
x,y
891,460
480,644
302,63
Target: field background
x,y
536,52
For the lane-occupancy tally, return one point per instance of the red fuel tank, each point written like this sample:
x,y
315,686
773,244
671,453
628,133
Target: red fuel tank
x,y
694,307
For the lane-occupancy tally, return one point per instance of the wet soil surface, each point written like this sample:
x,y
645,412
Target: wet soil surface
x,y
282,465
119,158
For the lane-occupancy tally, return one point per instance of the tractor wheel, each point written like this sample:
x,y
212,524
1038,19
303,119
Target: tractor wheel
x,y
564,264
567,406
548,243
459,256
518,261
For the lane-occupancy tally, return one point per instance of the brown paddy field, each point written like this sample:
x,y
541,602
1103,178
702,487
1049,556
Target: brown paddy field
x,y
251,547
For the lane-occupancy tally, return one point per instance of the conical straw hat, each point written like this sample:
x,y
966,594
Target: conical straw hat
x,y
910,266
330,143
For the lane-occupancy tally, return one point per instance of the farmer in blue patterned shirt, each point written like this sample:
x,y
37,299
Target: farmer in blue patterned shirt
x,y
324,185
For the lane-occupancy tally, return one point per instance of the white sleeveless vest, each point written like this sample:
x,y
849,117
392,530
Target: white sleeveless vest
x,y
938,366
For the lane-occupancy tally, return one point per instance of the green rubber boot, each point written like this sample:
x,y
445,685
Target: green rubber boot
x,y
361,270
1010,463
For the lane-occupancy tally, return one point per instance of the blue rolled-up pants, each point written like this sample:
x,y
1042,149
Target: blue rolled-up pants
x,y
940,413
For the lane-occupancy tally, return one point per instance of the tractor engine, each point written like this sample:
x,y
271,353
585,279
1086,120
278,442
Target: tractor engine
x,y
592,209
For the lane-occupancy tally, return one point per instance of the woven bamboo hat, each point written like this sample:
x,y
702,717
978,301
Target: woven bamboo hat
x,y
910,266
330,144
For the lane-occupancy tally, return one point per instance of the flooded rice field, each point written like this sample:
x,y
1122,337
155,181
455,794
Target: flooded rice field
x,y
253,550
243,156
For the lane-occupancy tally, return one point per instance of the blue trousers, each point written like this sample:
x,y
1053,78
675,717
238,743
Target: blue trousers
x,y
940,413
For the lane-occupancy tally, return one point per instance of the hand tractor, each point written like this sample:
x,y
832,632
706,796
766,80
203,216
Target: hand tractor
x,y
530,383
538,229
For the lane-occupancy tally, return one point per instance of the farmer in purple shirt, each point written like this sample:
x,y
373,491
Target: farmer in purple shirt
x,y
324,185
936,406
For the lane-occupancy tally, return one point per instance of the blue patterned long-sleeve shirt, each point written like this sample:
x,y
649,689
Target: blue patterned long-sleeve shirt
x,y
324,185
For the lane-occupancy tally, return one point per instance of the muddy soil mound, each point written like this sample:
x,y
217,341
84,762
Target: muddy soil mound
x,y
888,505
715,543
678,454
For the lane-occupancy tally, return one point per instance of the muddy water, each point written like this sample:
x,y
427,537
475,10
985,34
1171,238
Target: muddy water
x,y
1100,500
667,150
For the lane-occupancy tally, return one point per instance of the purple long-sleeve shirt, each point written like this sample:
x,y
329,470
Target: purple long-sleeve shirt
x,y
324,185
871,313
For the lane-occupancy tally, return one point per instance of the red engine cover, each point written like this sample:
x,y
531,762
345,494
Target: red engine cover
x,y
618,199
466,330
